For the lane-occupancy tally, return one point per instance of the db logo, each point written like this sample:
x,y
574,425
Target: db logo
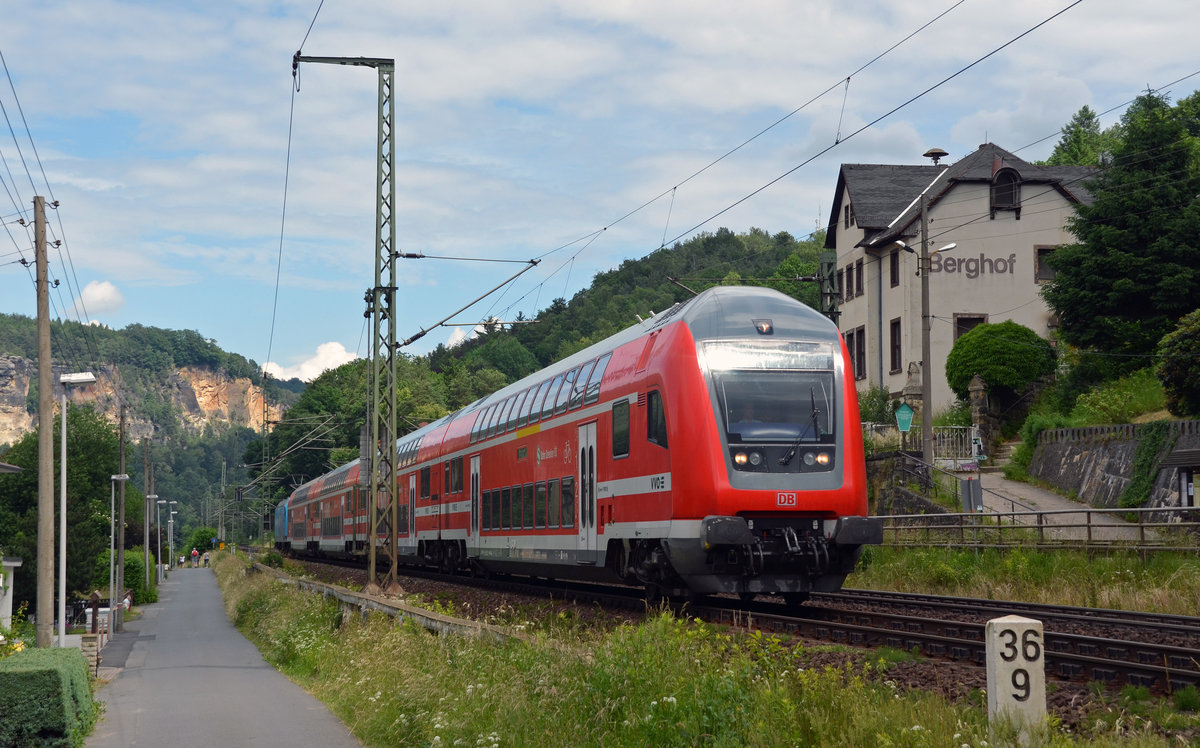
x,y
785,499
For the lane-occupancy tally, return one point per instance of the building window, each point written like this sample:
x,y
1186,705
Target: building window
x,y
840,291
858,278
1006,192
860,354
850,281
1044,273
849,337
846,214
897,358
894,262
964,323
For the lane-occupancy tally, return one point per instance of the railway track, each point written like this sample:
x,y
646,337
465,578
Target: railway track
x,y
1114,647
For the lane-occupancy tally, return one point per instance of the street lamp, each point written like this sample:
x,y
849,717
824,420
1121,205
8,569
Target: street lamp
x,y
112,539
158,529
85,377
171,532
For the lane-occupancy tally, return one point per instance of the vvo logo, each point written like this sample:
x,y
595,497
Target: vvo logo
x,y
785,499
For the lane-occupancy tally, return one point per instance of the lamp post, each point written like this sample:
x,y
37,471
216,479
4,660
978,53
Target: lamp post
x,y
112,539
171,533
158,529
85,377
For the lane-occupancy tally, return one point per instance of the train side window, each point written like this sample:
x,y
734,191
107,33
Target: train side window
x,y
536,414
496,509
560,405
518,403
446,477
523,417
456,475
480,424
568,501
620,428
493,419
502,424
554,503
656,419
548,405
485,517
540,507
505,506
593,386
528,506
580,385
425,481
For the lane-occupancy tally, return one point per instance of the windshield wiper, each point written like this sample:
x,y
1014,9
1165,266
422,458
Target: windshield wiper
x,y
791,453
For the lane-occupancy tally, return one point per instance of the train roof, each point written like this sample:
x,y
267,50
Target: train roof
x,y
715,313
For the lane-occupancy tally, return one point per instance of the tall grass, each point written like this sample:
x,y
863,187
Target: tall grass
x,y
664,682
1163,583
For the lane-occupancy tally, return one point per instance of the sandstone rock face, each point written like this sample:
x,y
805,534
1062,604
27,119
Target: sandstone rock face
x,y
201,398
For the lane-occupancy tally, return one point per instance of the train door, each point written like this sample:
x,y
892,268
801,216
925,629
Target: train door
x,y
473,529
587,492
412,507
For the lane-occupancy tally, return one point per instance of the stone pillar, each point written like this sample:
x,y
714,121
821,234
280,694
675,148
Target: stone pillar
x,y
911,393
90,644
980,417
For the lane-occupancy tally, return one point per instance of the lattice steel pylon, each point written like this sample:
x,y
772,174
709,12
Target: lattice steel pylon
x,y
381,307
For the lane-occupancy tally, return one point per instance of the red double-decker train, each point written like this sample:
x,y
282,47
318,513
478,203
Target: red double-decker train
x,y
713,448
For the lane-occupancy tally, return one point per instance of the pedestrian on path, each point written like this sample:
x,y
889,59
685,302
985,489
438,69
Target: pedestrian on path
x,y
195,558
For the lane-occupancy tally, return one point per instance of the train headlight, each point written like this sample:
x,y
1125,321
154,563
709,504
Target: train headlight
x,y
822,458
755,459
740,458
809,459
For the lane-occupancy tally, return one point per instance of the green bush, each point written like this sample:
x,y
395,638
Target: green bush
x,y
1006,355
1179,366
45,698
875,405
1120,400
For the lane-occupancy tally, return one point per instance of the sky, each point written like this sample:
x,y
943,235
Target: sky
x,y
201,187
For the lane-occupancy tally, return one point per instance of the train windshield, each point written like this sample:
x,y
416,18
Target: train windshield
x,y
773,391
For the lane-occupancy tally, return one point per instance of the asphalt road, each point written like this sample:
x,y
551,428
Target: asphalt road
x,y
183,676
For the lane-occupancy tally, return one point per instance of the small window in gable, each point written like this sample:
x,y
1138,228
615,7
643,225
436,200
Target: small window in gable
x,y
1006,192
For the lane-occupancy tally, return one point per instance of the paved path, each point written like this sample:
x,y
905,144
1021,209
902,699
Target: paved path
x,y
1003,495
183,676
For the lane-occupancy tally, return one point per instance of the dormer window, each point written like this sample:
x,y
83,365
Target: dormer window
x,y
1006,192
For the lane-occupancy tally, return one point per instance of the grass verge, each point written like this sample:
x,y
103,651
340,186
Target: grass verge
x,y
664,682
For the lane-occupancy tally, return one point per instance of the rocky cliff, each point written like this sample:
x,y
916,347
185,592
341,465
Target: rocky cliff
x,y
199,397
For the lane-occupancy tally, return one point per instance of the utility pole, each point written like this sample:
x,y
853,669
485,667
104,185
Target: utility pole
x,y
45,521
926,355
121,531
380,480
146,509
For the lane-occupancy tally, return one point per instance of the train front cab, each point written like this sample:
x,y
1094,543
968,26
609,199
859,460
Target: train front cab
x,y
769,493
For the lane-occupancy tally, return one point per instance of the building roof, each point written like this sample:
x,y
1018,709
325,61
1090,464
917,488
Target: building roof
x,y
884,198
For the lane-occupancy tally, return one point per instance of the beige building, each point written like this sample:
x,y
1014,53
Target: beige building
x,y
1004,216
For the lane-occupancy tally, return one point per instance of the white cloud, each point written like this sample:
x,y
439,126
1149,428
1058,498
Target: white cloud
x,y
99,298
329,356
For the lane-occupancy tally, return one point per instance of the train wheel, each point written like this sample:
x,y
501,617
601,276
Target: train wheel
x,y
795,599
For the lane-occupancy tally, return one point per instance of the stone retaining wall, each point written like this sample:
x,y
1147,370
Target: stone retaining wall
x,y
1096,463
